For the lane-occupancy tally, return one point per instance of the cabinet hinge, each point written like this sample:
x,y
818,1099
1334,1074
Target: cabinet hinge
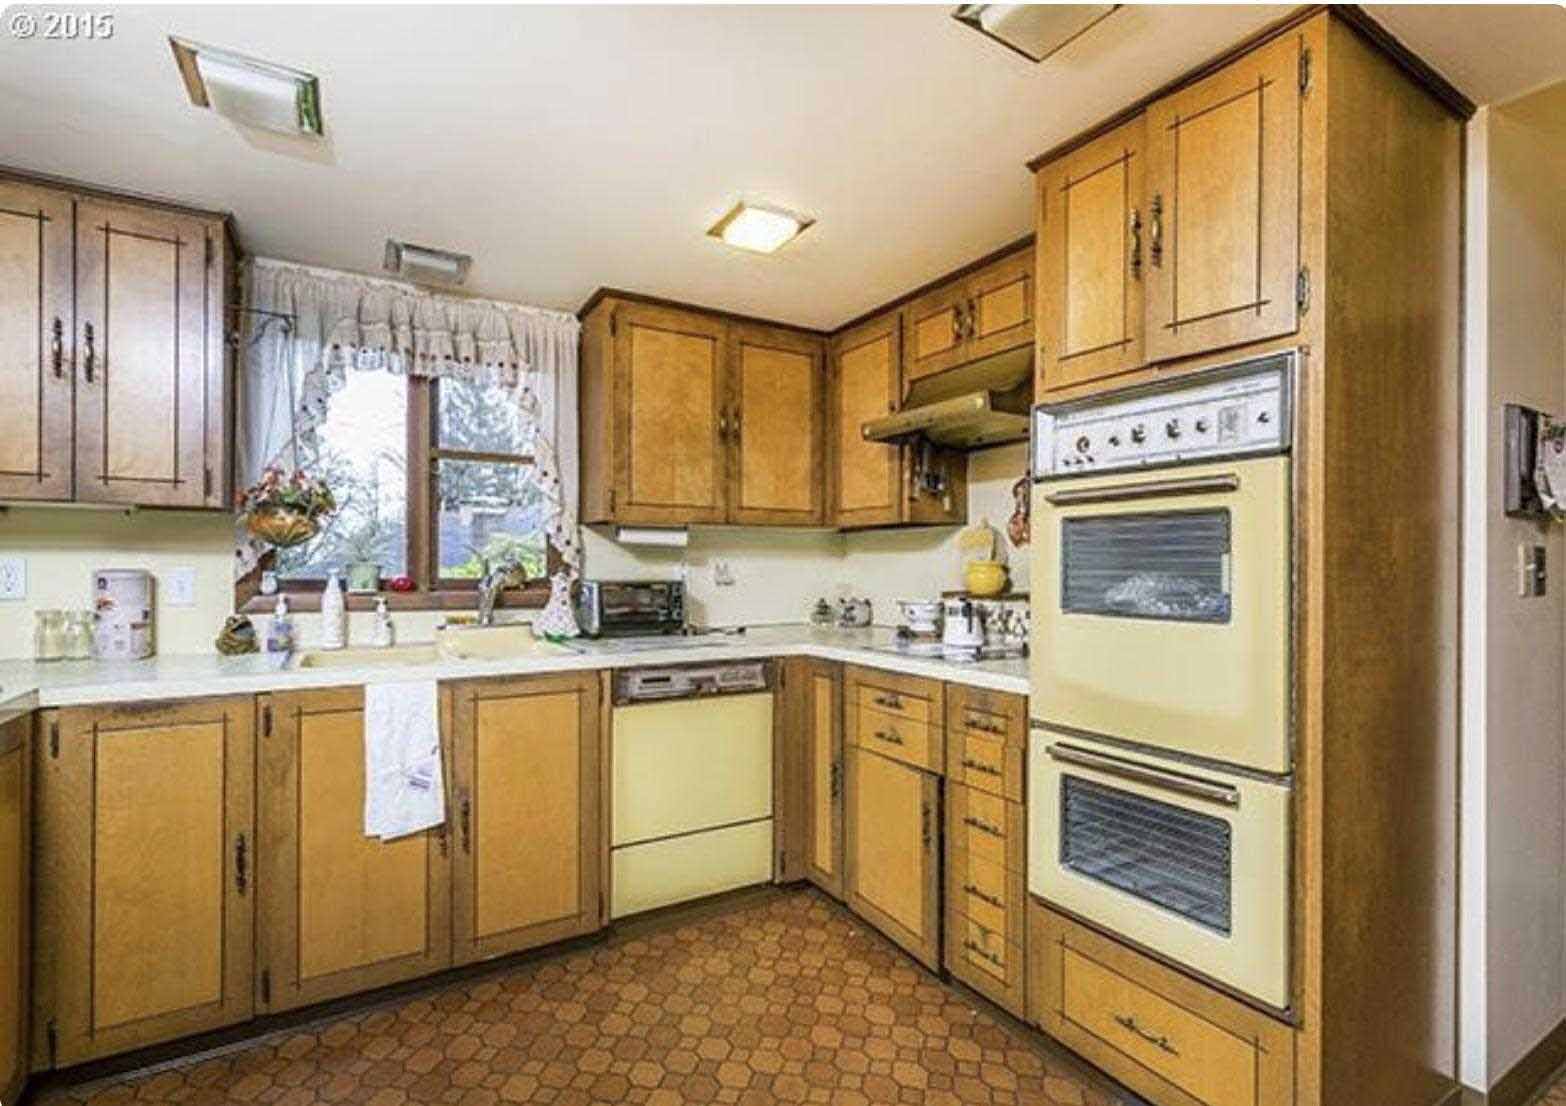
x,y
266,987
54,739
52,1034
1304,70
1302,289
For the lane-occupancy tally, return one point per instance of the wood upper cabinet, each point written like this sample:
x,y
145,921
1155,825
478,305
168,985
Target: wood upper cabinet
x,y
775,426
37,336
1223,206
866,384
145,884
978,315
818,686
526,756
1092,230
340,912
15,900
935,334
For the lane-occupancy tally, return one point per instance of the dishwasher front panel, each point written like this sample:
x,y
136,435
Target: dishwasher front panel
x,y
681,869
688,765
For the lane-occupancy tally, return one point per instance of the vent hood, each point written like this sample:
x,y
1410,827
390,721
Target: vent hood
x,y
981,404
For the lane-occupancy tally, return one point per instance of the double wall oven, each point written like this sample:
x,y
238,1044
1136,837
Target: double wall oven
x,y
1161,757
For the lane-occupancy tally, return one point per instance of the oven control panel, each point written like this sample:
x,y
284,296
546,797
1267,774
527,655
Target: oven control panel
x,y
1229,411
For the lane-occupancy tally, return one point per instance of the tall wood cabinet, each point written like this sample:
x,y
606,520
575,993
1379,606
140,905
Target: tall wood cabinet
x,y
817,689
340,912
15,899
692,417
145,885
114,369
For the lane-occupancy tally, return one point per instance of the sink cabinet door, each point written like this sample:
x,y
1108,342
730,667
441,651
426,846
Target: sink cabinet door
x,y
15,894
818,686
893,834
340,912
145,882
526,779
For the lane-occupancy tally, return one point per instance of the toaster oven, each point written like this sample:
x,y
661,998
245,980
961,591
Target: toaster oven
x,y
622,608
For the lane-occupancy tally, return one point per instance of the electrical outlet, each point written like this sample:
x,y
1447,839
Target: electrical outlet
x,y
1532,575
13,577
722,574
179,587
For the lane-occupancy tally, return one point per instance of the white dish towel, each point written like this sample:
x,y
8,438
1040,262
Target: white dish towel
x,y
404,789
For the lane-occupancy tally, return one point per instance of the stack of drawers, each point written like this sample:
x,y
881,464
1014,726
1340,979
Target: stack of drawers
x,y
986,843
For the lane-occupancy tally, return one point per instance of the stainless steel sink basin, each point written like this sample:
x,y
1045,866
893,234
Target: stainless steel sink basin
x,y
366,658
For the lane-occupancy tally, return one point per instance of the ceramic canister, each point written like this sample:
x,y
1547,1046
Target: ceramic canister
x,y
122,614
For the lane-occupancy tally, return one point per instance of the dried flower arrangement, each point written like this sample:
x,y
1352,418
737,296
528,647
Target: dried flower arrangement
x,y
285,510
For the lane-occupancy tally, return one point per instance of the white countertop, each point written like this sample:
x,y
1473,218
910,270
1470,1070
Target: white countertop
x,y
25,684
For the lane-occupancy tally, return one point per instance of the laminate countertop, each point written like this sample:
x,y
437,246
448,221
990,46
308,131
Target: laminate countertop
x,y
27,684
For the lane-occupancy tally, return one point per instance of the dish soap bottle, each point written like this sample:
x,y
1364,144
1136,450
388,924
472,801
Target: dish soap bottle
x,y
334,614
385,634
280,631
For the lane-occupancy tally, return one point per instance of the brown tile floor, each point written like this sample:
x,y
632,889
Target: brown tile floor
x,y
785,997
1555,1094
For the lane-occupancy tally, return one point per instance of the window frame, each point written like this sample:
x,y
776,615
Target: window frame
x,y
430,592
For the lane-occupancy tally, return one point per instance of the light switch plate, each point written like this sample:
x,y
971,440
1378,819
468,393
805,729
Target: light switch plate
x,y
13,577
179,587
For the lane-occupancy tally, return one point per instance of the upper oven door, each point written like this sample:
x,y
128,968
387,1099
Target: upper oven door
x,y
1162,608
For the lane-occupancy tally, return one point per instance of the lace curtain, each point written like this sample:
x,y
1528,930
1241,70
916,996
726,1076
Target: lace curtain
x,y
311,327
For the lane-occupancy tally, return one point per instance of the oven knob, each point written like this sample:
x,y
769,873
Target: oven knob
x,y
1172,428
1202,426
1139,433
1114,440
1083,445
1265,416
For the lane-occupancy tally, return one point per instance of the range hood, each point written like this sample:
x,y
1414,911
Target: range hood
x,y
981,404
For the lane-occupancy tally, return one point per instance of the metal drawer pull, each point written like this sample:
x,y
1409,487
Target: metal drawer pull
x,y
984,896
90,359
1156,211
1145,489
982,826
924,826
1153,777
1126,1021
1136,244
890,702
465,818
241,865
977,766
983,953
57,347
837,779
891,737
980,726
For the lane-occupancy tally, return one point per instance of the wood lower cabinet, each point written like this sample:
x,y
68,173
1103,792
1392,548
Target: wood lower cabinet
x,y
145,882
817,690
526,756
340,912
15,900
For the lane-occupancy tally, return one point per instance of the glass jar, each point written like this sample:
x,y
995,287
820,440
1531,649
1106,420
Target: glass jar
x,y
48,635
78,635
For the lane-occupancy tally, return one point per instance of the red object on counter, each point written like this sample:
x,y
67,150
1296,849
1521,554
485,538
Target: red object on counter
x,y
401,583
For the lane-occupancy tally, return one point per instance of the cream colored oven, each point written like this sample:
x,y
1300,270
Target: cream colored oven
x,y
1191,863
1162,566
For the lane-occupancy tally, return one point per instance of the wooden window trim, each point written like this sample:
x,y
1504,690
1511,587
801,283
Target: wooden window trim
x,y
430,592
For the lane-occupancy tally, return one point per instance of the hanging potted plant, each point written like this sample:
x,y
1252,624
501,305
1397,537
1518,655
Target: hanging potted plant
x,y
284,511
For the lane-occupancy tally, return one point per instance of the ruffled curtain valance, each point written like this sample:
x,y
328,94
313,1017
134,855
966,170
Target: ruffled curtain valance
x,y
338,323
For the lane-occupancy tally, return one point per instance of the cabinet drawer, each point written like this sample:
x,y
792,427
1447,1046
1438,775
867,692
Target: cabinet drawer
x,y
904,739
986,961
987,893
986,827
888,700
985,763
993,714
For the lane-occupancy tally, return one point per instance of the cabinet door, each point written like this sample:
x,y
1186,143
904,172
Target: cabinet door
x,y
775,427
1223,209
36,342
1091,261
15,897
935,334
149,357
1000,306
340,912
671,404
145,891
819,685
866,476
526,756
893,835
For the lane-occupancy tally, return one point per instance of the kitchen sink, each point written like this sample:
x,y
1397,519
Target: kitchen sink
x,y
463,642
366,658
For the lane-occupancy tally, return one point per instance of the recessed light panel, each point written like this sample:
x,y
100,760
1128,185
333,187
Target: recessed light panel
x,y
757,228
250,91
1033,30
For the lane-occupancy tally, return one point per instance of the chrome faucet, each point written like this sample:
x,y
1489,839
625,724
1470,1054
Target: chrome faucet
x,y
495,578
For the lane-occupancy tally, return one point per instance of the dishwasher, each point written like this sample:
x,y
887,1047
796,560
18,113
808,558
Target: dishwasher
x,y
691,783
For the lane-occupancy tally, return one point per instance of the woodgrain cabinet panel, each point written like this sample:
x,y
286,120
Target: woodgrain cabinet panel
x,y
146,826
1000,306
341,912
36,342
15,901
893,834
526,755
776,426
1091,261
820,687
1223,206
866,476
935,332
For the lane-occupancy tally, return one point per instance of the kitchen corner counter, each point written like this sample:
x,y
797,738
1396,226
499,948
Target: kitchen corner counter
x,y
25,684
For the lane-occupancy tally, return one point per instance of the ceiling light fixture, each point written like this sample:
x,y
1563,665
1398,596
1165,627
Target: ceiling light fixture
x,y
249,91
758,228
424,265
1033,30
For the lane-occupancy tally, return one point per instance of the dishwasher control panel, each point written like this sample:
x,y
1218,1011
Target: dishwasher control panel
x,y
687,681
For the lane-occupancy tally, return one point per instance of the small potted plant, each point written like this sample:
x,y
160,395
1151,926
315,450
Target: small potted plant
x,y
284,511
362,546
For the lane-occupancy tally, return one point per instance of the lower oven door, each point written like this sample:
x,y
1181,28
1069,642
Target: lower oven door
x,y
1190,863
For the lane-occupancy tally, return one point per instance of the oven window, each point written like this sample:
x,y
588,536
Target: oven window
x,y
1172,565
1167,855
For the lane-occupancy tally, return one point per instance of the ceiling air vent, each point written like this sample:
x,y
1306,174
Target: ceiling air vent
x,y
248,90
424,265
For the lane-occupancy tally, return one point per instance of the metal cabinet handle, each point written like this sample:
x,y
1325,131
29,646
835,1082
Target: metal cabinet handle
x,y
971,326
981,726
837,779
891,737
443,839
983,896
979,766
982,826
1136,244
924,825
890,702
1126,1021
241,865
465,820
956,323
983,953
723,427
89,358
1155,213
57,347
1147,489
734,422
1177,782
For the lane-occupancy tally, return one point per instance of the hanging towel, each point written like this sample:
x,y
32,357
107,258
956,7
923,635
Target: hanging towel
x,y
404,791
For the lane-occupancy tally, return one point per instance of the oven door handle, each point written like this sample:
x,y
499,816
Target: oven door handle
x,y
1146,489
1140,773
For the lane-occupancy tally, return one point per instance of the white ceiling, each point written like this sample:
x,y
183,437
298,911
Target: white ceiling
x,y
572,147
